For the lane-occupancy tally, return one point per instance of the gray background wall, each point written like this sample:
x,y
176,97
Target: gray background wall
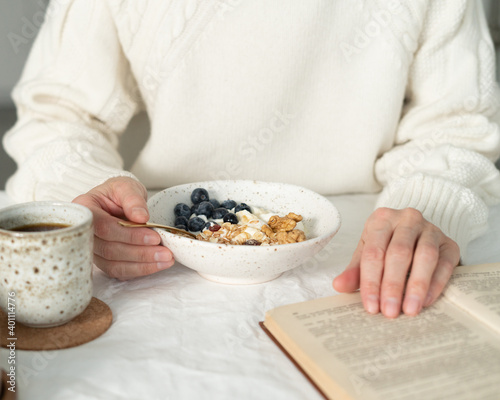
x,y
19,23
12,17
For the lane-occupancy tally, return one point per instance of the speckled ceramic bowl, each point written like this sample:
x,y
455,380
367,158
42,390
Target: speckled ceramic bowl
x,y
234,264
45,277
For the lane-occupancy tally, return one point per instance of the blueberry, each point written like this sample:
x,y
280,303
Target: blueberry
x,y
219,213
198,195
205,208
229,204
215,203
231,218
182,210
242,206
196,224
181,220
183,227
194,209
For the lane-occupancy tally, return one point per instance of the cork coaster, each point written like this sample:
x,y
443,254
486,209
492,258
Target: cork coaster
x,y
89,325
5,393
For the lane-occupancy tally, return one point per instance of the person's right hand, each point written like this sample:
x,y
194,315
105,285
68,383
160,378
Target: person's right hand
x,y
124,253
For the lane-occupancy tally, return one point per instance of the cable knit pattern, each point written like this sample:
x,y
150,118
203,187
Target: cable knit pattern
x,y
398,97
444,132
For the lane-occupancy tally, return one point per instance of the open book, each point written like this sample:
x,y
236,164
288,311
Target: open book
x,y
450,351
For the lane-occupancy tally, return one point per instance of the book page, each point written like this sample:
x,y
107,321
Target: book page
x,y
350,354
476,289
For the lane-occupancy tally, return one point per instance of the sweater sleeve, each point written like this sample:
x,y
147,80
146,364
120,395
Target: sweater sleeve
x,y
75,97
448,137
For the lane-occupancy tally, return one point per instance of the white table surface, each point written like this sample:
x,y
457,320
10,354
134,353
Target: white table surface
x,y
177,336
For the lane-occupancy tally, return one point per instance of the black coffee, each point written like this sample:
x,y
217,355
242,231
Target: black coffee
x,y
43,227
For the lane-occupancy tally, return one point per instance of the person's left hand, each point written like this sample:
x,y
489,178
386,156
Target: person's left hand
x,y
400,254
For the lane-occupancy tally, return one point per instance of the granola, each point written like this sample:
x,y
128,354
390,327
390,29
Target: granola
x,y
252,231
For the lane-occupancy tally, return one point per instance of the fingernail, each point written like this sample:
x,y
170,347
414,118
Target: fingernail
x,y
150,239
163,256
139,212
163,265
412,305
392,307
334,284
372,304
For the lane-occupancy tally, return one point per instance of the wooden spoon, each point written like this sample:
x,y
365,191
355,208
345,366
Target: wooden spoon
x,y
171,229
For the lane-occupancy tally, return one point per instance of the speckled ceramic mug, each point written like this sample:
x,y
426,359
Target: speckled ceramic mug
x,y
47,274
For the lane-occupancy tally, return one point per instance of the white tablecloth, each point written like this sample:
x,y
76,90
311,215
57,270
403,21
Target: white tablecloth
x,y
177,336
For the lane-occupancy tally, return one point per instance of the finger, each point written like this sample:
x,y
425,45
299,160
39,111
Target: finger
x,y
424,264
131,196
107,228
127,270
115,251
372,264
348,281
449,258
398,259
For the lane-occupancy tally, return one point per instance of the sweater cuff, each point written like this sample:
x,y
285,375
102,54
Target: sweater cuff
x,y
455,209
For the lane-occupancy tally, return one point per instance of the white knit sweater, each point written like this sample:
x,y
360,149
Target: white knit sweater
x,y
338,96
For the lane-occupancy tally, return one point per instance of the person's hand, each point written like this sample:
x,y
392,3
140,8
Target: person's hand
x,y
124,253
400,254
